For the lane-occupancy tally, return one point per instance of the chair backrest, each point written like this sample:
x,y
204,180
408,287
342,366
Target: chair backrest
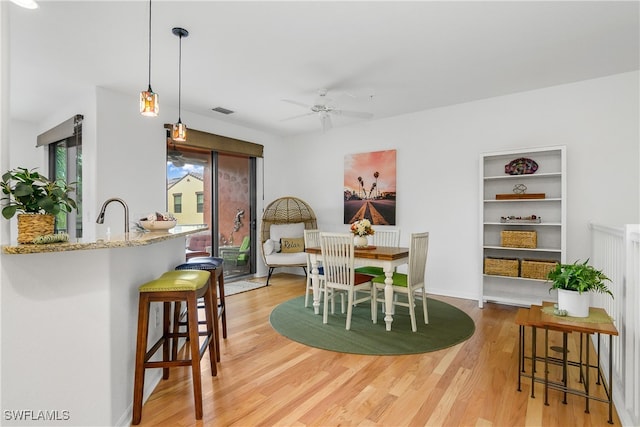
x,y
338,258
418,248
387,238
243,250
311,240
285,210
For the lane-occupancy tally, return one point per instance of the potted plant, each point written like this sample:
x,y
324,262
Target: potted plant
x,y
36,199
574,282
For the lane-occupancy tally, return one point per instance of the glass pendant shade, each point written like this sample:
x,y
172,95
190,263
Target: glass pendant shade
x,y
179,132
149,103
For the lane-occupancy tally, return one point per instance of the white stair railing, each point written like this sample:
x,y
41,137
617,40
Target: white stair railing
x,y
616,251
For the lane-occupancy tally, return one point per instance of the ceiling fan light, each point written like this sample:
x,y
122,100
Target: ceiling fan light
x,y
149,105
179,132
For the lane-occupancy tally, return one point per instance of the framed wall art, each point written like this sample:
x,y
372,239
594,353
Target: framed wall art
x,y
370,187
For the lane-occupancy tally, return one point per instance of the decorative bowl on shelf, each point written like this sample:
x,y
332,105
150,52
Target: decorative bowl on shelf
x,y
156,225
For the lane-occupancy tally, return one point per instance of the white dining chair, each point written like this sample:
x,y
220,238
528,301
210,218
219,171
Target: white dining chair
x,y
387,237
312,240
411,285
339,273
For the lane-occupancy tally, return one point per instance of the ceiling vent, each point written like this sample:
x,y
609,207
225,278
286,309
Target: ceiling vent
x,y
222,110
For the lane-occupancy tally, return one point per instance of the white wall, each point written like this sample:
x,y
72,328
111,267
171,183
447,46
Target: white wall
x,y
437,162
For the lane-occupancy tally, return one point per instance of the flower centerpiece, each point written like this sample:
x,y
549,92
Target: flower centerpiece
x,y
361,229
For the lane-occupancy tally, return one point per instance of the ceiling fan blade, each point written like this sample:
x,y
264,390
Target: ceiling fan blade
x,y
347,113
299,104
298,116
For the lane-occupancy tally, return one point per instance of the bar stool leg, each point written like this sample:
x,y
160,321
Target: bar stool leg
x,y
141,349
194,337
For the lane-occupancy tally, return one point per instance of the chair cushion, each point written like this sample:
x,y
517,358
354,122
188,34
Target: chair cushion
x,y
399,279
177,280
268,247
361,278
292,244
209,259
278,231
370,270
295,258
197,266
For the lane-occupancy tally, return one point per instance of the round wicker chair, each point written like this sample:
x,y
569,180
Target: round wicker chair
x,y
285,210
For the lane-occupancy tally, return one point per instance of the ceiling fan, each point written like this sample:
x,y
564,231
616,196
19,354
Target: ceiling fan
x,y
324,109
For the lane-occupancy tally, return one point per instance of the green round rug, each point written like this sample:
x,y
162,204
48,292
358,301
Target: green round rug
x,y
447,326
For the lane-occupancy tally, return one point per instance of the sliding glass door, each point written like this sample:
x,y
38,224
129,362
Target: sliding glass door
x,y
217,190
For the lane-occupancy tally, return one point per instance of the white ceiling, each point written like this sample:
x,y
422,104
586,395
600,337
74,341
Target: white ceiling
x,y
383,57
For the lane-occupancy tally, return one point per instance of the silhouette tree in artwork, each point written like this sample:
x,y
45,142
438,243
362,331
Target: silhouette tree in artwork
x,y
361,186
376,174
373,187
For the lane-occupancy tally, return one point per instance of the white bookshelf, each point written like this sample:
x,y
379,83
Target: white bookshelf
x,y
550,179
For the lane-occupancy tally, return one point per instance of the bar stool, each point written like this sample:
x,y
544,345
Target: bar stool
x,y
214,266
174,286
222,309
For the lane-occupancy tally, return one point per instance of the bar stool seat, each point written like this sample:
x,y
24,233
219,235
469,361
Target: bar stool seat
x,y
174,286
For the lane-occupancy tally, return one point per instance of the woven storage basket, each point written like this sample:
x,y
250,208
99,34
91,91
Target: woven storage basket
x,y
536,268
31,226
519,239
502,266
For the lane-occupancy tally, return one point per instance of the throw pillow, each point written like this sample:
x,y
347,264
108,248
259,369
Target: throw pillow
x,y
292,244
268,247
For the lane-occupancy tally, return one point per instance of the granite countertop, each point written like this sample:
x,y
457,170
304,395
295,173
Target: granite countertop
x,y
133,238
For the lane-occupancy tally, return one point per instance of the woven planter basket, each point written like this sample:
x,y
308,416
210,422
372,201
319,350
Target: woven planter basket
x,y
31,226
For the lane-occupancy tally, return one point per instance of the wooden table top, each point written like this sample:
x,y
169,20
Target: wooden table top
x,y
385,253
535,316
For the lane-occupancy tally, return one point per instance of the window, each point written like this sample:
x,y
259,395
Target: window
x,y
65,162
177,203
199,202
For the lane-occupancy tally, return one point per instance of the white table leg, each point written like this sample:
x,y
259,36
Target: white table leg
x,y
315,282
388,296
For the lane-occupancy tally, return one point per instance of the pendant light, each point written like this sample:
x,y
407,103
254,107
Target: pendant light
x,y
179,132
149,105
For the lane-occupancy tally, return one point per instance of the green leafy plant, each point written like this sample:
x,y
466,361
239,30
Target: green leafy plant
x,y
579,277
27,191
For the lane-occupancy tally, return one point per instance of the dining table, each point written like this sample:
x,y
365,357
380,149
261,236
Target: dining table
x,y
377,256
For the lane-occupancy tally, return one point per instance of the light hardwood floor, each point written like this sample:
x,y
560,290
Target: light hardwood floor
x,y
265,379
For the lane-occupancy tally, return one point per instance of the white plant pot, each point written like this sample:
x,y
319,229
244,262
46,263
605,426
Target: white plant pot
x,y
575,303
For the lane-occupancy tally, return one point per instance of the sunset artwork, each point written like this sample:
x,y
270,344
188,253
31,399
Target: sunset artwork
x,y
370,187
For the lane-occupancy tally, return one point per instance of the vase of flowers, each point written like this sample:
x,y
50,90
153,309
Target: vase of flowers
x,y
360,230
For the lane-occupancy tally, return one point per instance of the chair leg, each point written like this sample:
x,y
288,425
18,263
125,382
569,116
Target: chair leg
x,y
424,307
374,304
269,275
412,309
223,305
141,349
325,313
349,308
211,322
166,323
194,336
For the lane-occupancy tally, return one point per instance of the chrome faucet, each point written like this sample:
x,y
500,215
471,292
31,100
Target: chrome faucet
x,y
100,219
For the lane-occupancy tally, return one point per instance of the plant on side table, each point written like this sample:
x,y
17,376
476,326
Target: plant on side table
x,y
574,282
36,199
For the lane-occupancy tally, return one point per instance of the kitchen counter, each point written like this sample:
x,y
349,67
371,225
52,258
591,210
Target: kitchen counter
x,y
134,238
69,317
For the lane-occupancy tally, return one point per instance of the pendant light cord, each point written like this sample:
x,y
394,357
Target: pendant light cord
x,y
180,81
150,46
